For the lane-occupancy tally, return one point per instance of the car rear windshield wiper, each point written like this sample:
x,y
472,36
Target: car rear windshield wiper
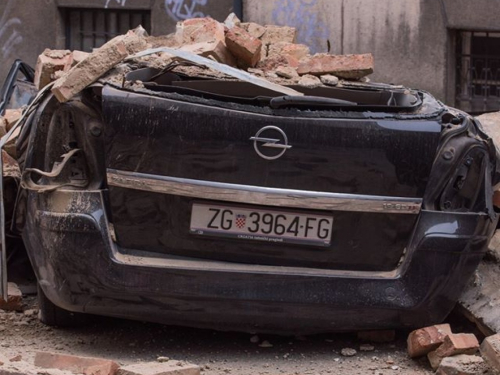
x,y
313,101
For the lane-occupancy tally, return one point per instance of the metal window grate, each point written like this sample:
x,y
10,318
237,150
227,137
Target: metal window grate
x,y
478,71
91,28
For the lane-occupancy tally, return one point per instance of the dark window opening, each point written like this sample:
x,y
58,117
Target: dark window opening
x,y
478,73
91,28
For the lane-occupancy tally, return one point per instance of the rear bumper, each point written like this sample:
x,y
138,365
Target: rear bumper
x,y
81,269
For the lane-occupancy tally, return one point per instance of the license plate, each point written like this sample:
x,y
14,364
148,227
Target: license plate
x,y
261,224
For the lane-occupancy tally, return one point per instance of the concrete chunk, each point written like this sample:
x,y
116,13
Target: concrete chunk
x,y
49,62
490,350
14,300
96,64
424,340
310,81
329,80
76,364
462,365
244,47
342,66
160,368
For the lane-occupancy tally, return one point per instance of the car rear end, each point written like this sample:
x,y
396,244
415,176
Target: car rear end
x,y
221,205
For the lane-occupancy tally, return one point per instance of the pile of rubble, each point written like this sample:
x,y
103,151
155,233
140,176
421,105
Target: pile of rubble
x,y
267,52
454,353
60,364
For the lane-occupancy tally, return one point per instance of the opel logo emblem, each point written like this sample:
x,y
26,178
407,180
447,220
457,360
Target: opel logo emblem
x,y
270,142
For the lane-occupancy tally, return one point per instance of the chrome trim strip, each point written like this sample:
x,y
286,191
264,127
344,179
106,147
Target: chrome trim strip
x,y
262,195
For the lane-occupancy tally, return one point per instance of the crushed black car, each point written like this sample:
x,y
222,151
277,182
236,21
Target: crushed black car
x,y
194,200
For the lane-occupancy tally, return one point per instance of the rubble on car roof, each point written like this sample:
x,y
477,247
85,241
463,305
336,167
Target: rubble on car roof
x,y
269,52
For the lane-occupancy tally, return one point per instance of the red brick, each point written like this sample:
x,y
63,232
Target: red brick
x,y
96,64
14,300
244,47
75,364
48,63
454,344
199,30
458,343
490,350
297,51
253,29
276,34
160,368
272,63
79,56
377,336
11,116
425,340
342,66
216,50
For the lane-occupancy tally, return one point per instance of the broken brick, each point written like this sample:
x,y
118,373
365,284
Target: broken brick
x,y
76,364
343,66
490,350
453,344
231,21
254,29
297,51
425,340
79,56
276,34
272,63
11,116
216,50
50,62
458,343
96,64
160,368
377,336
462,365
14,300
199,30
244,47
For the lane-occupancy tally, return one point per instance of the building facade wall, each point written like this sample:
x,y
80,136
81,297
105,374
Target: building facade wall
x,y
408,38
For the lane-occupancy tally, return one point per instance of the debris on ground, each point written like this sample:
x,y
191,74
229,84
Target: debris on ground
x,y
462,365
348,352
155,368
62,364
425,340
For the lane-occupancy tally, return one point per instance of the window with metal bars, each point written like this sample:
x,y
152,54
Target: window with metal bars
x,y
478,71
91,28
